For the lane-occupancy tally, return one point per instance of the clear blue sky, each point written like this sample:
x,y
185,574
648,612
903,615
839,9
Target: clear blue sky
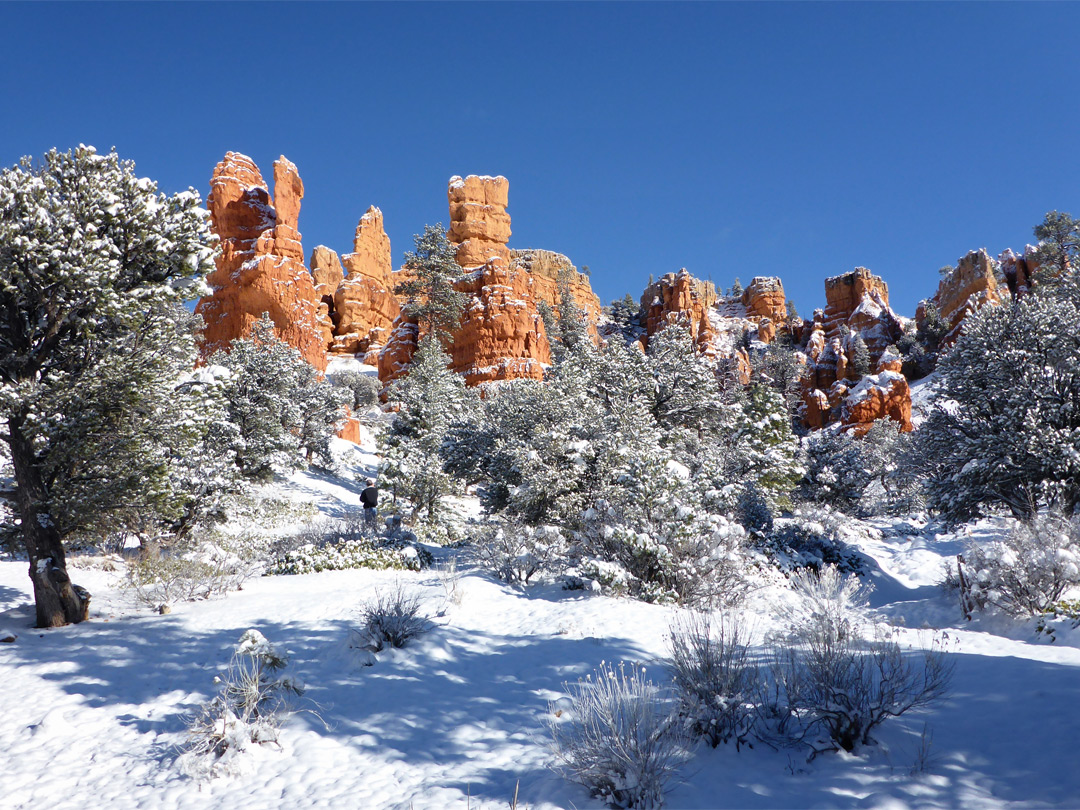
x,y
798,140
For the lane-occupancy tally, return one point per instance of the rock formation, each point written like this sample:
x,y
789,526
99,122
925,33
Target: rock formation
x,y
502,334
364,302
859,300
857,306
878,396
479,224
261,264
679,297
969,287
544,268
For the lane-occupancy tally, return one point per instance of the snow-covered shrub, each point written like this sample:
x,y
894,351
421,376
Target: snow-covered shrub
x,y
392,619
310,559
254,700
753,510
1027,570
188,573
826,601
828,686
676,553
621,739
715,676
516,553
813,536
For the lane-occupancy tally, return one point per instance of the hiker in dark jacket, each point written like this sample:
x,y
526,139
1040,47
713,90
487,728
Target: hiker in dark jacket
x,y
369,499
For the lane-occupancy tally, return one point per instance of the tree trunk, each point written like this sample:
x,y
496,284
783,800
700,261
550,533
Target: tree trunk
x,y
57,599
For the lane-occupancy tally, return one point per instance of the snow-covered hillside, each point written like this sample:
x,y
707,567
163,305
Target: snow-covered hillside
x,y
93,713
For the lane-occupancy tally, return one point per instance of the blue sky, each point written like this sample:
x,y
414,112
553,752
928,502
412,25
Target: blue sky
x,y
798,140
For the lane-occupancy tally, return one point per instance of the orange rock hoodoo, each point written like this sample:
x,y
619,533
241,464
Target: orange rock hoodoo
x,y
679,297
479,224
502,334
362,302
261,264
857,304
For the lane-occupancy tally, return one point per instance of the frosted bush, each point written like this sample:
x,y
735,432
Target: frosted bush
x,y
1027,570
813,536
348,554
516,553
392,619
622,738
681,555
715,676
165,577
253,701
826,601
828,687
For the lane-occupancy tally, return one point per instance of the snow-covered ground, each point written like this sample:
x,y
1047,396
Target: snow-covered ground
x,y
92,714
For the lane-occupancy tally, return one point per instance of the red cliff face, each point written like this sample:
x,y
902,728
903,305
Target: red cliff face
x,y
970,286
857,306
479,224
679,297
261,265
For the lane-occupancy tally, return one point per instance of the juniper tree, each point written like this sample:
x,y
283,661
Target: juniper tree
x,y
1005,426
1059,244
279,405
860,355
92,260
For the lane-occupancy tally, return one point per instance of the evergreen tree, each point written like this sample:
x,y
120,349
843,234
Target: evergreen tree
x,y
430,295
573,327
860,355
1059,246
92,262
1005,427
429,400
624,312
686,394
281,408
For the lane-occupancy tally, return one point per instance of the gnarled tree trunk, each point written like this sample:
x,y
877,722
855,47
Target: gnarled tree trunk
x,y
57,599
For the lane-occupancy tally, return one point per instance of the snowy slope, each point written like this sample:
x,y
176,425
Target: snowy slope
x,y
92,713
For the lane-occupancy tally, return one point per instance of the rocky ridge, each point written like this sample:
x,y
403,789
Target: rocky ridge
x,y
345,305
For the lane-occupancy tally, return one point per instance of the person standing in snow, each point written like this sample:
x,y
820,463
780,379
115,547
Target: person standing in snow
x,y
369,499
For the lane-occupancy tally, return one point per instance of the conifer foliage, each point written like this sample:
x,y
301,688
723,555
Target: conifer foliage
x,y
93,262
281,409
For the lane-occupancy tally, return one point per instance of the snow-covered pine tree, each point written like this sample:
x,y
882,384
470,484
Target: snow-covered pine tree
x,y
429,400
1058,253
429,294
92,258
686,394
860,355
278,403
1005,427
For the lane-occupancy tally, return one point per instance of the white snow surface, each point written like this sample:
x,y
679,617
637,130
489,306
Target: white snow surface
x,y
93,713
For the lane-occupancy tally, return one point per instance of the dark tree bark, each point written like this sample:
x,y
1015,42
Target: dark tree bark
x,y
58,600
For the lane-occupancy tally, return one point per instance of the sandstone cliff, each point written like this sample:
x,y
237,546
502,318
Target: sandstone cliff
x,y
680,298
479,224
261,264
